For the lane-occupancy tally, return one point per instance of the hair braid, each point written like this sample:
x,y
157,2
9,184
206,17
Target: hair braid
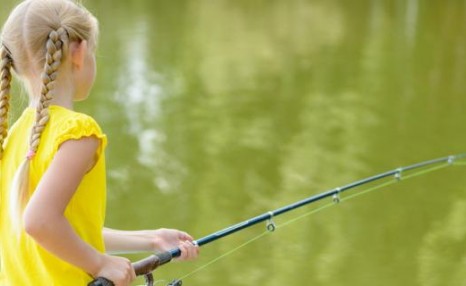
x,y
56,47
5,85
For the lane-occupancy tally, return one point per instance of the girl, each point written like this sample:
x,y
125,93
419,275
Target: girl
x,y
52,186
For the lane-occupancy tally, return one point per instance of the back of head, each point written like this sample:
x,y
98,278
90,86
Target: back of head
x,y
27,30
34,43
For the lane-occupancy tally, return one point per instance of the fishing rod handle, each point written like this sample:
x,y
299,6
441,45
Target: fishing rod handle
x,y
150,263
141,267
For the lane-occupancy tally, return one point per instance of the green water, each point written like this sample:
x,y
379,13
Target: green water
x,y
218,111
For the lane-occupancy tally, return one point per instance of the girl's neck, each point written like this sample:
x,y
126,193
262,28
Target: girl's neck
x,y
60,101
63,93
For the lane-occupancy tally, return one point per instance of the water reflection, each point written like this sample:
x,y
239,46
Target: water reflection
x,y
249,39
313,160
140,93
442,256
412,10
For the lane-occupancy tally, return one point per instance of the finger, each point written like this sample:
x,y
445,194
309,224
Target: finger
x,y
182,250
191,250
187,246
195,251
133,274
185,236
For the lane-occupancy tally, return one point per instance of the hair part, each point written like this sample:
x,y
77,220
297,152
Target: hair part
x,y
37,34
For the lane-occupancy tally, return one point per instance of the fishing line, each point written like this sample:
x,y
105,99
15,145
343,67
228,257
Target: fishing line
x,y
202,267
399,176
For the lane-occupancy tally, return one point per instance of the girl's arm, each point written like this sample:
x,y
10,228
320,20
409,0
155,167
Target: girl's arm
x,y
44,218
120,241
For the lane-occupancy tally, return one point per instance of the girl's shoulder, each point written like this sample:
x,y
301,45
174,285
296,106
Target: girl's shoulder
x,y
63,120
66,124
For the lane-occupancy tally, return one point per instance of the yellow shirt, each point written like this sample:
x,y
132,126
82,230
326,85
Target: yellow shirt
x,y
23,261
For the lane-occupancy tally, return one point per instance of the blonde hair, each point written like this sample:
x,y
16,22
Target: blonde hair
x,y
36,37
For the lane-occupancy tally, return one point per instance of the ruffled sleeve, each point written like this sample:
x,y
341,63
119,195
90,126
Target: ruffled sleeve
x,y
77,127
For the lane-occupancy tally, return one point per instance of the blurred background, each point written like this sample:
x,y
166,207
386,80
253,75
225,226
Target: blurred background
x,y
217,111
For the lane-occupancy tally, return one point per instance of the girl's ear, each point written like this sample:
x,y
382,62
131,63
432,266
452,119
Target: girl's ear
x,y
78,52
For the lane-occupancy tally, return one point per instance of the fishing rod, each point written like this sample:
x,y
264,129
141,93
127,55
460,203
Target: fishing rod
x,y
146,266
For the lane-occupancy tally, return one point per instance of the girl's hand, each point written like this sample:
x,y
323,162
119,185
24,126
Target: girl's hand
x,y
120,241
116,269
167,239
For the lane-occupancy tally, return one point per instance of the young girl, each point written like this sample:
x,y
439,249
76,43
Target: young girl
x,y
52,177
